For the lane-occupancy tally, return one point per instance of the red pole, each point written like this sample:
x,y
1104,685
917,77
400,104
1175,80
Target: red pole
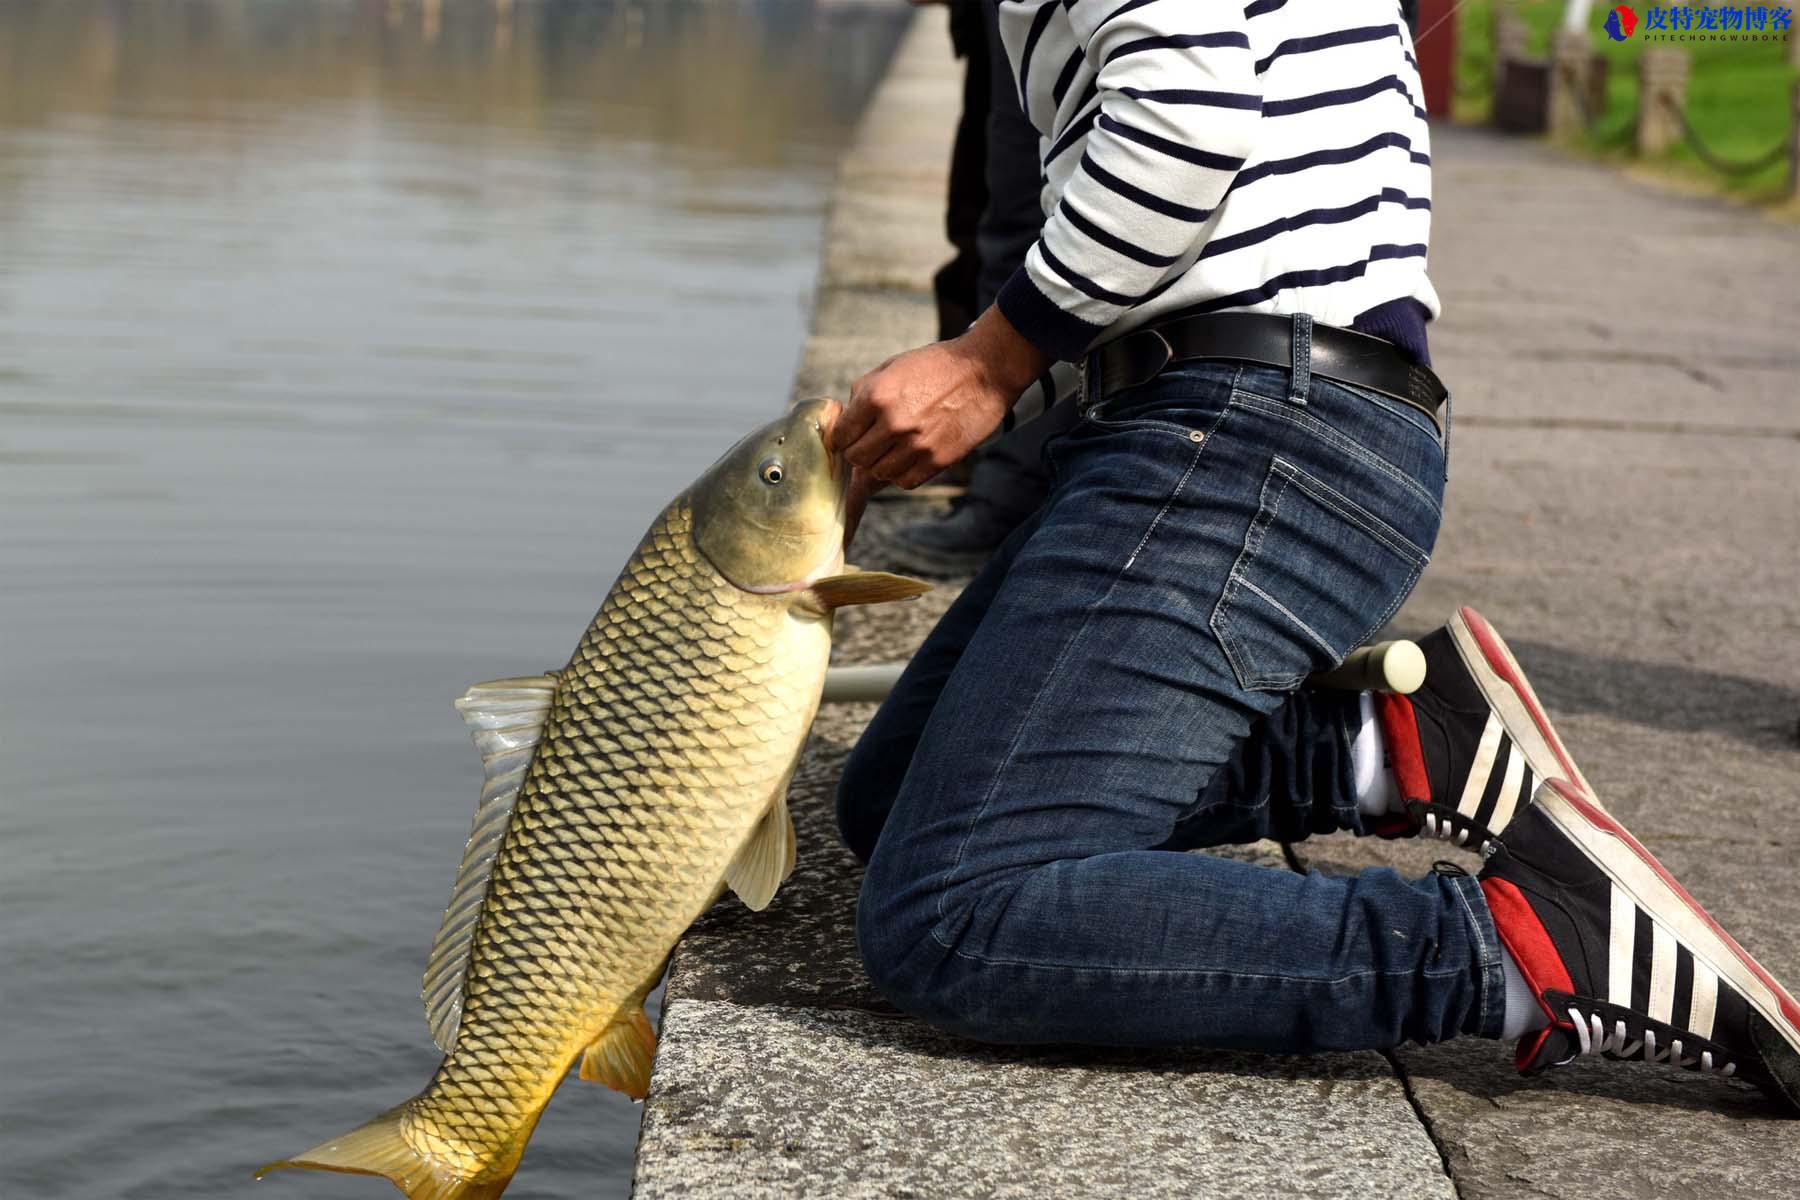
x,y
1436,45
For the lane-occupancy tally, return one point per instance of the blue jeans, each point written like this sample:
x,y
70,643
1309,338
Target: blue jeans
x,y
1118,687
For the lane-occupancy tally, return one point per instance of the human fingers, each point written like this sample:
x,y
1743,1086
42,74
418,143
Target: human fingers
x,y
897,464
853,420
862,413
856,501
922,469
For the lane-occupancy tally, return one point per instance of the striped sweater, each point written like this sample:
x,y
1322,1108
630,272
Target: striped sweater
x,y
1213,155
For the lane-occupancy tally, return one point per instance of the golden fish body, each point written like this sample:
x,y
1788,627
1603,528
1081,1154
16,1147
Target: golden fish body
x,y
678,718
656,775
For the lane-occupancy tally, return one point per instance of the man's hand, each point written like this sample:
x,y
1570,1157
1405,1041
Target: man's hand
x,y
920,411
856,501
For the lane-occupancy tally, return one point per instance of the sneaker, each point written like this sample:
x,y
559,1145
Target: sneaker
x,y
957,543
1470,747
1623,961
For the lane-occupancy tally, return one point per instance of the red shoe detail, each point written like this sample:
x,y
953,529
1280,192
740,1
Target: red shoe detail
x,y
1529,1047
1597,817
1392,826
1526,938
1529,943
1400,730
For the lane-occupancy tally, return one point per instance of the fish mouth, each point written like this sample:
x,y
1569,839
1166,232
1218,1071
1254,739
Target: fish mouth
x,y
836,465
829,412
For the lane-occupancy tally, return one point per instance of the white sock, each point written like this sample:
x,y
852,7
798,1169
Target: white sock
x,y
1376,791
1523,1012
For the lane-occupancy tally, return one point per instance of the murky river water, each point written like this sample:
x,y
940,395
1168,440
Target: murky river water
x,y
345,350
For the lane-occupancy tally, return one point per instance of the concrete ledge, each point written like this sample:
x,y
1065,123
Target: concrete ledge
x,y
781,1102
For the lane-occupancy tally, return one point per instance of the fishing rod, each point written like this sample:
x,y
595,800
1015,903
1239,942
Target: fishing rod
x,y
1396,666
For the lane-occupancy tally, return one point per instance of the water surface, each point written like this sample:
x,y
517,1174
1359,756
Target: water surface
x,y
345,350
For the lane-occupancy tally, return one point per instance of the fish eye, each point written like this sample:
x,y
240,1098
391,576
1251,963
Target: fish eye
x,y
771,471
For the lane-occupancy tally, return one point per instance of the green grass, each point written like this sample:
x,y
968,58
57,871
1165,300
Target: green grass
x,y
1739,97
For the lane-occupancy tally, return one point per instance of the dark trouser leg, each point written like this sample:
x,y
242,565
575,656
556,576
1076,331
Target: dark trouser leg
x,y
1299,751
873,773
955,283
1171,595
1014,213
1010,475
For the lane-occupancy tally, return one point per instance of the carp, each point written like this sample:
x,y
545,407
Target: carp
x,y
623,794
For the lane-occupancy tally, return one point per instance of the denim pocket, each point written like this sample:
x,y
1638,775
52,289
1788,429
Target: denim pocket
x,y
1177,401
1349,431
1162,418
1316,566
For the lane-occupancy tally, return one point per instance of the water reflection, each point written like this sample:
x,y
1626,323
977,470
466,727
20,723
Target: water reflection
x,y
757,79
345,348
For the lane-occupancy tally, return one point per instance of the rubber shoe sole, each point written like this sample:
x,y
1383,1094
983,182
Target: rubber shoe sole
x,y
1635,870
1503,684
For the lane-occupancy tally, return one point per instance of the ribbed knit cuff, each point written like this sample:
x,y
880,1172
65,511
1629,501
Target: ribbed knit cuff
x,y
1062,336
1401,322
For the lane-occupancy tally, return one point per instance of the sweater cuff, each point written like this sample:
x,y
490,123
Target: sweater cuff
x,y
1058,334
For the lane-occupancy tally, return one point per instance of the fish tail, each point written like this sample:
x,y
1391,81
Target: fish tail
x,y
380,1148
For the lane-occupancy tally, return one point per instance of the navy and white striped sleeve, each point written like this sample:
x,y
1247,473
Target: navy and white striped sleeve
x,y
1179,105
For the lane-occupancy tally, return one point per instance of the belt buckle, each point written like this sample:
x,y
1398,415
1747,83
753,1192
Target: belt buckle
x,y
1086,382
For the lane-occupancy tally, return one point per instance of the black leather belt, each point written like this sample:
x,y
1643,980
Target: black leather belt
x,y
1338,354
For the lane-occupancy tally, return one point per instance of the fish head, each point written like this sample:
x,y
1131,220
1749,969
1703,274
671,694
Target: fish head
x,y
770,514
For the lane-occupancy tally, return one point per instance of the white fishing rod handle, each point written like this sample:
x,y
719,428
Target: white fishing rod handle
x,y
849,685
1383,667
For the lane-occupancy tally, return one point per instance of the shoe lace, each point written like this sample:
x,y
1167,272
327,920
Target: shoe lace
x,y
1595,1038
1453,827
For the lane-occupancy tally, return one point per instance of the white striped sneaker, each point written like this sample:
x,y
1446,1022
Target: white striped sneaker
x,y
1624,962
1470,747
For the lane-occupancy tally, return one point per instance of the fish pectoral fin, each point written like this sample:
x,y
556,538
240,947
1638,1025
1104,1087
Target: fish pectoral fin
x,y
621,1057
767,859
862,587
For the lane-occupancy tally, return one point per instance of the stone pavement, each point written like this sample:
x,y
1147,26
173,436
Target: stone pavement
x,y
1625,485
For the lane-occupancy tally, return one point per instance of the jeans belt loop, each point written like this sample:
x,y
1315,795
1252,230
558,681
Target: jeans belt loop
x,y
1300,379
1088,392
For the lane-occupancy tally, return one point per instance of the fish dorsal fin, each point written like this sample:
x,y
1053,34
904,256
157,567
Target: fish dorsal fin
x,y
767,859
862,587
505,720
